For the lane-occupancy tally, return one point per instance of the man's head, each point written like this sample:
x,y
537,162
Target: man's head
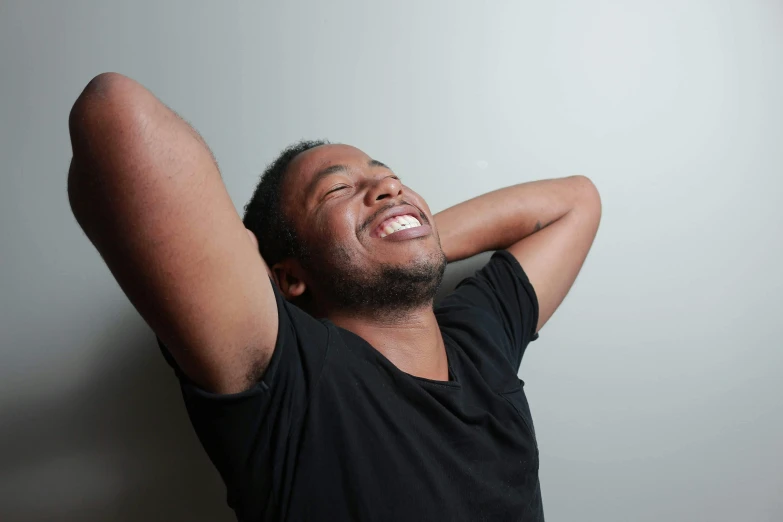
x,y
335,227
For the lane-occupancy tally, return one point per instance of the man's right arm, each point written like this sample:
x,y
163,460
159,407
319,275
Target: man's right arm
x,y
148,194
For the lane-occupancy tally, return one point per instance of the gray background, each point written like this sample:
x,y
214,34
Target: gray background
x,y
655,388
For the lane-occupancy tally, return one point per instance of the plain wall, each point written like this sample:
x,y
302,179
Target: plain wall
x,y
656,388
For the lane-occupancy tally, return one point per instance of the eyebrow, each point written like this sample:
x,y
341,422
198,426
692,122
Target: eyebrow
x,y
334,169
376,163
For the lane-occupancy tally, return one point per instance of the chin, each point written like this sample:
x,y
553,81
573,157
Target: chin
x,y
390,286
424,256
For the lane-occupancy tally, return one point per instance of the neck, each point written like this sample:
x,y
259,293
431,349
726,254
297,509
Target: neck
x,y
410,339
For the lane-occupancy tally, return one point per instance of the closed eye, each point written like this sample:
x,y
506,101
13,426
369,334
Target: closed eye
x,y
336,188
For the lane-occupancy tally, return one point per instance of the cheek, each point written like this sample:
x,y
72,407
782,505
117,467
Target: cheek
x,y
418,201
335,229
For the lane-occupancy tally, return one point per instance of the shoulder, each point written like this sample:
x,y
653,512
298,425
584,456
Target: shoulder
x,y
492,313
499,291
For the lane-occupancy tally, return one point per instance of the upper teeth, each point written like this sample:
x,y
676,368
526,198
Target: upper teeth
x,y
392,225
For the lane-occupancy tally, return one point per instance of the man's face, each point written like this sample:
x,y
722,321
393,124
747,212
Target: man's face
x,y
372,243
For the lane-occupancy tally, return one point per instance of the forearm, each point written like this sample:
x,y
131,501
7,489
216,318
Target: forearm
x,y
499,219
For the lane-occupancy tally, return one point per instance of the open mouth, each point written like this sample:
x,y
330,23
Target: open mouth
x,y
395,224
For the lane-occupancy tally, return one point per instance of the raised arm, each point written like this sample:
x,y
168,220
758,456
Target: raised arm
x,y
147,192
548,226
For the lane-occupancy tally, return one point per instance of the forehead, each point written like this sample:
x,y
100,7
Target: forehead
x,y
306,165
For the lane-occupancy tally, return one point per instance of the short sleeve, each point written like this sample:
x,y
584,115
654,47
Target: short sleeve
x,y
502,291
247,434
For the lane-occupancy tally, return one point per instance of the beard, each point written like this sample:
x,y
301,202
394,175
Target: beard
x,y
389,291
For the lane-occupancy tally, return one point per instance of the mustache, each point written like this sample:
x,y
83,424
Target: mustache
x,y
383,209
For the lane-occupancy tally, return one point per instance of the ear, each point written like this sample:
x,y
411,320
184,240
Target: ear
x,y
288,276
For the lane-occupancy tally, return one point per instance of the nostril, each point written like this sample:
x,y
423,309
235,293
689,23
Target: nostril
x,y
382,196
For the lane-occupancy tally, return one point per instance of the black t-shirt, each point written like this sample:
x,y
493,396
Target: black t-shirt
x,y
335,431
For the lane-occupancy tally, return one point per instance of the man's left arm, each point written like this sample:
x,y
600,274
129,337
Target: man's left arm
x,y
548,226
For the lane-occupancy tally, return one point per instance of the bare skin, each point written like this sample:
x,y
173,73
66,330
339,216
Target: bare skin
x,y
147,193
334,208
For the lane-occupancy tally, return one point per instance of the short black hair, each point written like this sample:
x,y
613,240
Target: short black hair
x,y
264,216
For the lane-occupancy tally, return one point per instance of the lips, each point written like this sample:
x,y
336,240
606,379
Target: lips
x,y
395,220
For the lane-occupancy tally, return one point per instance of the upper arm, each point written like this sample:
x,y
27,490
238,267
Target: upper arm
x,y
148,194
553,256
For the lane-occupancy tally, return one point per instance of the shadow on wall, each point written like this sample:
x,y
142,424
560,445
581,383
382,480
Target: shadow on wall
x,y
117,446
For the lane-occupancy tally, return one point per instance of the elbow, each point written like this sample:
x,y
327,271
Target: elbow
x,y
111,109
588,191
110,106
588,199
97,104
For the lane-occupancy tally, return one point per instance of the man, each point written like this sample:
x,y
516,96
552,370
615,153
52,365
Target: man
x,y
319,377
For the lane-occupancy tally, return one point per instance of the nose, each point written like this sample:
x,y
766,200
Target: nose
x,y
385,188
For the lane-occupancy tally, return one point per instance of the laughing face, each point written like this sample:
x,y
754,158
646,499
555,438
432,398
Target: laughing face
x,y
372,247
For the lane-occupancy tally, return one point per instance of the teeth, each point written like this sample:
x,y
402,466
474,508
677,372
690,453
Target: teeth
x,y
398,223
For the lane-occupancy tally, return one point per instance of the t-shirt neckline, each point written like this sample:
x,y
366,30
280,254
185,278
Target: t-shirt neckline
x,y
453,381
